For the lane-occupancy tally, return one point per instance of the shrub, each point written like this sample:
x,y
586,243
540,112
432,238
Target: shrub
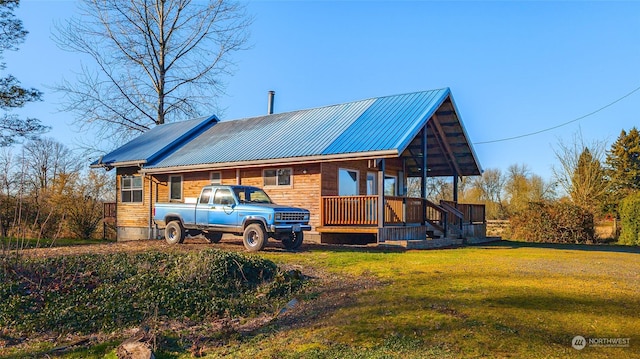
x,y
630,220
92,293
558,222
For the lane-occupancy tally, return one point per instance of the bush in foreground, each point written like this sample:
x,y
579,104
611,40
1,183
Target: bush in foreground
x,y
92,293
559,222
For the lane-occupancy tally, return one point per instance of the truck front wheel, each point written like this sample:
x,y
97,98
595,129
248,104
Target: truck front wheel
x,y
174,232
255,237
293,240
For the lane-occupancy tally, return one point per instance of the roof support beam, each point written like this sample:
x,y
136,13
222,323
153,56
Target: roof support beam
x,y
448,152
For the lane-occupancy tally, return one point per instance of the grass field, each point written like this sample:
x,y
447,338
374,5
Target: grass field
x,y
505,299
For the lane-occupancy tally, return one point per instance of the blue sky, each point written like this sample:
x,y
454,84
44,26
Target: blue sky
x,y
513,67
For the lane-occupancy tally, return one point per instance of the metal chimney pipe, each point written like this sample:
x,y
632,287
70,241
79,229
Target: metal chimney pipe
x,y
270,105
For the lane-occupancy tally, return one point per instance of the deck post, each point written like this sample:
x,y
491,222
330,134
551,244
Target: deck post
x,y
381,204
455,186
423,189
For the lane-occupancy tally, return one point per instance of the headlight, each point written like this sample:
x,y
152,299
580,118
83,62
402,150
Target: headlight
x,y
278,216
306,216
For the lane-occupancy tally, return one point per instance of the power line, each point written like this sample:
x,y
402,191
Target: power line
x,y
562,124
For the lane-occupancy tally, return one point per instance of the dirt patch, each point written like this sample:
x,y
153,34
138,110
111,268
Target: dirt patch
x,y
230,243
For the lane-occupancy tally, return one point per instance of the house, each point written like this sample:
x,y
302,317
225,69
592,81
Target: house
x,y
348,164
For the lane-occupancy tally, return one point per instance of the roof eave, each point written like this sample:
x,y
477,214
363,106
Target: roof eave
x,y
466,136
109,165
272,162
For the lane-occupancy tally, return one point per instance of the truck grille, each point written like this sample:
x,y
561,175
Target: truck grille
x,y
291,216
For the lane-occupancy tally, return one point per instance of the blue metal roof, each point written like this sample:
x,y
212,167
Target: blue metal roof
x,y
378,127
378,124
389,123
156,143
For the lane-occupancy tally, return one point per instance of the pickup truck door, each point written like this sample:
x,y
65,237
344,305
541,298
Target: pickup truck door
x,y
203,206
222,212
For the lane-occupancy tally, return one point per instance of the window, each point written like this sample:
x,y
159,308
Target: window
x,y
205,196
390,185
216,177
372,183
131,189
224,197
175,188
250,194
347,182
277,177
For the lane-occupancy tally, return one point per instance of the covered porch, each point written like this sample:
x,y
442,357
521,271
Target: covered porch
x,y
404,218
438,148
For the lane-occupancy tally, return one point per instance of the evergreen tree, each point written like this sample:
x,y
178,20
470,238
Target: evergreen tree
x,y
12,95
588,183
623,161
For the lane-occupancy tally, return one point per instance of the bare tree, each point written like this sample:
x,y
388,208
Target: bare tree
x,y
489,189
580,173
8,191
522,187
156,61
438,188
48,160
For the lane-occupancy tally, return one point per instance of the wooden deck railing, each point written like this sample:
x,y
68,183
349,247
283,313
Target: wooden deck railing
x,y
363,211
349,210
471,213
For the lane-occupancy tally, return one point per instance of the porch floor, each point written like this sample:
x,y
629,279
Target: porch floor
x,y
348,229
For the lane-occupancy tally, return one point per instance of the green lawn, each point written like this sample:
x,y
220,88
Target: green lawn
x,y
506,299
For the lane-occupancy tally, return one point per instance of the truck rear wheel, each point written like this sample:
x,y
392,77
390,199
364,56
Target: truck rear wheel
x,y
174,232
255,237
293,240
213,237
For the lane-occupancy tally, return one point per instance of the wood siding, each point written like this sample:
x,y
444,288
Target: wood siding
x,y
308,184
132,214
330,173
303,192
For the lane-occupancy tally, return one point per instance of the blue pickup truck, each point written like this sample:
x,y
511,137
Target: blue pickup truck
x,y
241,210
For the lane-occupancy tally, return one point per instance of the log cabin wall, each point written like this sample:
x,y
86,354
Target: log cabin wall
x,y
303,191
132,218
192,183
330,173
309,182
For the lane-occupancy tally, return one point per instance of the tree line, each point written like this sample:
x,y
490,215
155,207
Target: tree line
x,y
46,191
590,181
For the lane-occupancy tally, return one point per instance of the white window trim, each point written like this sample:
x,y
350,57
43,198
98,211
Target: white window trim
x,y
171,188
211,177
357,179
141,189
278,185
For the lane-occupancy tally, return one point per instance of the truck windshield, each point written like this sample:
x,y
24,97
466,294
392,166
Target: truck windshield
x,y
251,195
